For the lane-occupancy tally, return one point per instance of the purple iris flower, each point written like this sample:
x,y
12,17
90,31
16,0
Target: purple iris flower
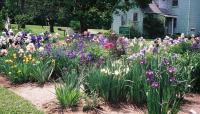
x,y
83,58
72,54
172,79
76,35
143,52
195,46
38,44
102,40
155,50
89,57
171,70
7,33
39,38
149,75
33,39
100,61
155,84
165,61
142,61
81,45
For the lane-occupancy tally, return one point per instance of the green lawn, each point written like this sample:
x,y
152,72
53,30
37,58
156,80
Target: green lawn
x,y
39,29
10,103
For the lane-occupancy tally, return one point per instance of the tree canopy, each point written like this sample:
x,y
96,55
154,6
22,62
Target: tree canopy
x,y
90,13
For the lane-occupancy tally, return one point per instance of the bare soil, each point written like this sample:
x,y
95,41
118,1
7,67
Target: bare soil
x,y
43,97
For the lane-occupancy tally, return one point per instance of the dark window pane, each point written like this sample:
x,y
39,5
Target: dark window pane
x,y
174,2
135,17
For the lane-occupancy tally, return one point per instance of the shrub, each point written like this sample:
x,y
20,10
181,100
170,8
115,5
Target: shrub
x,y
75,25
153,26
22,20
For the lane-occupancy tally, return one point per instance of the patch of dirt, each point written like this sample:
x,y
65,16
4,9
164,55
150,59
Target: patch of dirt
x,y
37,95
5,82
54,108
191,105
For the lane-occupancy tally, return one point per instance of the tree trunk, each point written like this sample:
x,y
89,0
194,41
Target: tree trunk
x,y
23,26
83,26
51,24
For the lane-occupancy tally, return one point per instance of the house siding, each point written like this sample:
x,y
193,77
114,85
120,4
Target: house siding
x,y
182,12
117,20
195,16
186,14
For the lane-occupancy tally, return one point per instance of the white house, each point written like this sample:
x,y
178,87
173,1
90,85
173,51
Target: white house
x,y
180,16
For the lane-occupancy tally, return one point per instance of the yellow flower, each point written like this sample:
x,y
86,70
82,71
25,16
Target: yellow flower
x,y
8,61
19,71
13,66
30,56
33,60
14,56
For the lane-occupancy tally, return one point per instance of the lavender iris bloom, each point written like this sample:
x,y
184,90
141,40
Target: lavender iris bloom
x,y
143,52
171,69
172,79
165,62
155,85
149,75
72,54
33,39
195,46
155,50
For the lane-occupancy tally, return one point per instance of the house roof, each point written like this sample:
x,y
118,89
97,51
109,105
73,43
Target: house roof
x,y
153,8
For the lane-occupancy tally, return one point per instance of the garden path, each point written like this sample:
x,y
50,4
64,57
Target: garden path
x,y
44,98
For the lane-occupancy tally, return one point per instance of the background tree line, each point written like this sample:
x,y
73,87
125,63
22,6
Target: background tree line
x,y
89,13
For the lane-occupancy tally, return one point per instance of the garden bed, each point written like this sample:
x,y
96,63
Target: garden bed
x,y
91,71
43,97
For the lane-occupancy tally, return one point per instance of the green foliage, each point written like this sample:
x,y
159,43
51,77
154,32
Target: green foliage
x,y
167,97
195,62
1,21
91,14
106,84
75,25
42,71
67,96
134,32
181,48
10,103
20,69
96,51
22,20
153,26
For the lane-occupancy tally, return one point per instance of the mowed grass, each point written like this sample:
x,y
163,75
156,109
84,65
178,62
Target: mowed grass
x,y
37,29
10,103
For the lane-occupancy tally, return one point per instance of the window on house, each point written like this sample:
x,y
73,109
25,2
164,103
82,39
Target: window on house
x,y
123,19
135,17
174,2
